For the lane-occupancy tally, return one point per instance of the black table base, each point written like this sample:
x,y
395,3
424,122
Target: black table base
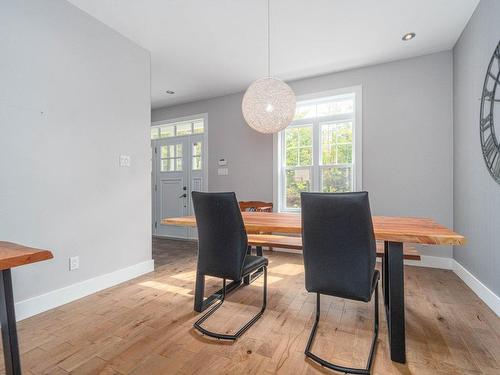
x,y
8,322
394,298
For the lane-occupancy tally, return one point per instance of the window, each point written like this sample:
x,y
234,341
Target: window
x,y
317,151
171,158
196,154
176,129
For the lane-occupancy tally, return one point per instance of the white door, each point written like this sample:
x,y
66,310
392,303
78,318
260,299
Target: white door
x,y
179,170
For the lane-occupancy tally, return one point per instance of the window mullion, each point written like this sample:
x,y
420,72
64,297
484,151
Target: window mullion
x,y
316,155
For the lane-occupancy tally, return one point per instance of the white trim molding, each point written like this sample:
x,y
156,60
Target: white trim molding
x,y
58,297
481,290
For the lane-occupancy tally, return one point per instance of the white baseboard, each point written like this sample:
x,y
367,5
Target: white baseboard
x,y
431,262
482,291
58,297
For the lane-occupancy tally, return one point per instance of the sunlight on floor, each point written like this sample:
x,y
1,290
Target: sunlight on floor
x,y
289,269
167,287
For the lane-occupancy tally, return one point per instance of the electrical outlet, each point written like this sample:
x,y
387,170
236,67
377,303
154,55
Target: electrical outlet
x,y
74,263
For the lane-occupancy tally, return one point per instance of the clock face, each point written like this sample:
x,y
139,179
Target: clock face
x,y
489,124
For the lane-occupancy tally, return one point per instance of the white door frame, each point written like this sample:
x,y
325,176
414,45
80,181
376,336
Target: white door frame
x,y
154,161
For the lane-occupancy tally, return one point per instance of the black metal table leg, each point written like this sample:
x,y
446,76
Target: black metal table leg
x,y
385,269
258,251
393,285
8,322
201,304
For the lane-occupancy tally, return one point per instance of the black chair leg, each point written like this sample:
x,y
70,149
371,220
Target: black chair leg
x,y
250,278
332,366
247,279
243,329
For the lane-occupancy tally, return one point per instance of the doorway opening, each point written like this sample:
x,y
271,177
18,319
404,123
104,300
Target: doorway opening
x,y
179,167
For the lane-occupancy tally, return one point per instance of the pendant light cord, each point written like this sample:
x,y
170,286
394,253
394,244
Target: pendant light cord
x,y
268,39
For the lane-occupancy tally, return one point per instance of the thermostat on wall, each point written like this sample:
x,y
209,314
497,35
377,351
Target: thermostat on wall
x,y
222,162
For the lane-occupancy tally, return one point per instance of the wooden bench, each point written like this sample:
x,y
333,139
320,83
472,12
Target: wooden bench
x,y
295,243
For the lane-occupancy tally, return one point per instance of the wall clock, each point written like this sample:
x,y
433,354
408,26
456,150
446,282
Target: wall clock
x,y
490,114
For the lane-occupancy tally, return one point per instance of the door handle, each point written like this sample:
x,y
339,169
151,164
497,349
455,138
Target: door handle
x,y
183,195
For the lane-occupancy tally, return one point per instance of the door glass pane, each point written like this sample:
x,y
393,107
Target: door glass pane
x,y
184,128
167,131
171,151
155,133
163,152
178,150
196,163
164,165
198,127
196,148
336,179
178,164
196,156
297,181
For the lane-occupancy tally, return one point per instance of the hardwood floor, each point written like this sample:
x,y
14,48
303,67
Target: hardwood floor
x,y
145,326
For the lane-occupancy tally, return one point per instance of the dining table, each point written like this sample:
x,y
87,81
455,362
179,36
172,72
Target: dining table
x,y
393,231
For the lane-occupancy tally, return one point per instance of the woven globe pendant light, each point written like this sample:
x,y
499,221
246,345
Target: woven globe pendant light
x,y
268,105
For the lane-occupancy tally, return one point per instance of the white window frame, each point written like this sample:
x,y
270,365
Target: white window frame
x,y
357,127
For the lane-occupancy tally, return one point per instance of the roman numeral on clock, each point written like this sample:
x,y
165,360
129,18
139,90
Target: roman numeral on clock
x,y
486,123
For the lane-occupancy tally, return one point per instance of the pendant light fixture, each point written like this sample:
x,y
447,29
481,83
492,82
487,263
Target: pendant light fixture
x,y
269,103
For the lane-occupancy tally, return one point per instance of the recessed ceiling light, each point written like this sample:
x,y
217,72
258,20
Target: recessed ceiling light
x,y
170,92
408,36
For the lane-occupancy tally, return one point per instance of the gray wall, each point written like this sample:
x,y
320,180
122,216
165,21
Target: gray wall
x,y
476,194
74,95
407,138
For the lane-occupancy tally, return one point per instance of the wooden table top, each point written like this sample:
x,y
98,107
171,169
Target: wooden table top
x,y
13,255
386,228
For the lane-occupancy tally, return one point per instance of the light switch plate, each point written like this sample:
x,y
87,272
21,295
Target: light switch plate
x,y
125,161
74,263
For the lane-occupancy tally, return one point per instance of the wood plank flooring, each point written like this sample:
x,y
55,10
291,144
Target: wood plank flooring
x,y
144,326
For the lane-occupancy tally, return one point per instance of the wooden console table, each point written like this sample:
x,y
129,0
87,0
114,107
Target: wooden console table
x,y
13,255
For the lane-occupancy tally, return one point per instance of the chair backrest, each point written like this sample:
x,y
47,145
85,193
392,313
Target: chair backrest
x,y
222,239
339,246
256,206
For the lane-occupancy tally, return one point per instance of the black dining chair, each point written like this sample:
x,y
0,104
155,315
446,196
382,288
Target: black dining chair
x,y
222,250
339,253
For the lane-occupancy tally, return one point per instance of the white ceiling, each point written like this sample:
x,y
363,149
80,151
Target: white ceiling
x,y
208,48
